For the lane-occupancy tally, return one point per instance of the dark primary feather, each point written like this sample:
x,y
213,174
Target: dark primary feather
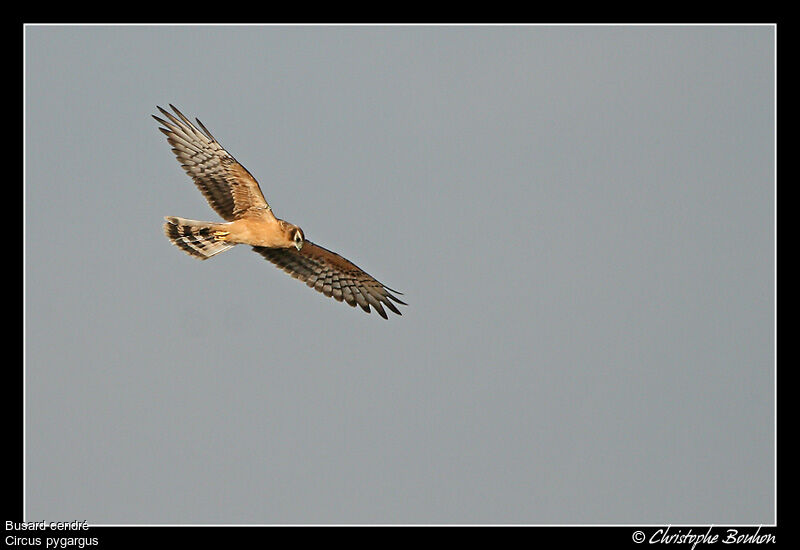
x,y
333,276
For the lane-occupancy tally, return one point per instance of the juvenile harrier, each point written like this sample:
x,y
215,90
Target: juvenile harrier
x,y
235,195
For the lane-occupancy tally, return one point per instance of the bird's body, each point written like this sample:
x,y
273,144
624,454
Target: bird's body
x,y
236,196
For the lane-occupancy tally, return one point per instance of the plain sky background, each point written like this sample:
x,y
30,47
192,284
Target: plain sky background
x,y
581,219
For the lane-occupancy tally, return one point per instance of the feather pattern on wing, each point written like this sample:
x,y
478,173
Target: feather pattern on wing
x,y
333,276
227,185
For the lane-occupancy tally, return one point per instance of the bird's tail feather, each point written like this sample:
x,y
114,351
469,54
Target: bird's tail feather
x,y
198,239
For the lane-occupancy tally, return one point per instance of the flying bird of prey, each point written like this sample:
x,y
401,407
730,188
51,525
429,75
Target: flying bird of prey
x,y
234,194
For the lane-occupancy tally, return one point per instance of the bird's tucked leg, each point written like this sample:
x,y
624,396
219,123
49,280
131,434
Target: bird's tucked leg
x,y
221,235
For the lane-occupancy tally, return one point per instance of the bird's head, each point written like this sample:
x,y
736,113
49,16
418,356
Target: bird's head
x,y
293,234
298,238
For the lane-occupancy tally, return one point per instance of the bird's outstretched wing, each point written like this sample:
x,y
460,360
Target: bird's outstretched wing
x,y
227,185
334,276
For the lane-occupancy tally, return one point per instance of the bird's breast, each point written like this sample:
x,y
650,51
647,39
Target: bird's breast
x,y
258,232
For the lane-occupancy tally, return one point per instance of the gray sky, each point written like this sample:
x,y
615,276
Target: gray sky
x,y
581,219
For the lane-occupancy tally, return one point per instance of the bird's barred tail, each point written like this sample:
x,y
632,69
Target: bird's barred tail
x,y
198,239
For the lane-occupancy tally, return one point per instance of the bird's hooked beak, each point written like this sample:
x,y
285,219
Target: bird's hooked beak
x,y
298,245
